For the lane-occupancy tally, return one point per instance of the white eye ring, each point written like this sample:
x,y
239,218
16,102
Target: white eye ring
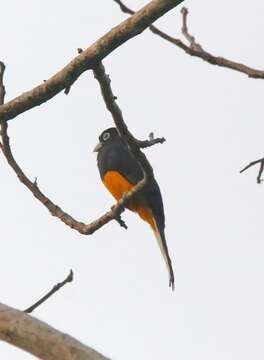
x,y
106,136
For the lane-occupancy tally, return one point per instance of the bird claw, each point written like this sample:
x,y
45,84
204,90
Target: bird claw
x,y
121,222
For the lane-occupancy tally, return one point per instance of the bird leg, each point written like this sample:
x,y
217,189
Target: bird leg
x,y
120,221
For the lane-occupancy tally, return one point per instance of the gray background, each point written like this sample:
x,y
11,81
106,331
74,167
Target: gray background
x,y
212,118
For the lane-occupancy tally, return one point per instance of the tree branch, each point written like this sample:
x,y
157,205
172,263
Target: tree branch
x,y
133,143
118,208
2,88
24,331
110,102
40,339
55,210
197,50
55,288
85,229
87,59
190,38
261,168
2,93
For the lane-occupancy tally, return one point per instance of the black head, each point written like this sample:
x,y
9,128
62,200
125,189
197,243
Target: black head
x,y
107,136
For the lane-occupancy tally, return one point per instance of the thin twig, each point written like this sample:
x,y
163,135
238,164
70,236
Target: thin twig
x,y
199,52
261,168
2,87
2,95
191,39
55,288
147,143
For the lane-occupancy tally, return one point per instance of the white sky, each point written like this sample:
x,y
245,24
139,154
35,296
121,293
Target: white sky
x,y
212,118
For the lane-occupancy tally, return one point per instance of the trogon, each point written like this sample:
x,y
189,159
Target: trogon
x,y
120,172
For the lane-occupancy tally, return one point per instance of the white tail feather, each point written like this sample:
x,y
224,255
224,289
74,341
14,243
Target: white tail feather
x,y
165,254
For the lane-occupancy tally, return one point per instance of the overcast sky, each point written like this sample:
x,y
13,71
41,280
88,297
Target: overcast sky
x,y
212,118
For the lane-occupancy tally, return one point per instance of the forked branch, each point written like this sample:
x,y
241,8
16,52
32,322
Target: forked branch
x,y
194,49
261,168
88,58
55,210
111,104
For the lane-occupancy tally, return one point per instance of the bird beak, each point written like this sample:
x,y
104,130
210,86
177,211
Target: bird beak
x,y
98,147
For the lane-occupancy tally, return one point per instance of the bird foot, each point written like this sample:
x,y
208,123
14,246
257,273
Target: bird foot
x,y
121,222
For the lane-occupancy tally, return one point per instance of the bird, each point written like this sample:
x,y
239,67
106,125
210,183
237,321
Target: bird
x,y
120,172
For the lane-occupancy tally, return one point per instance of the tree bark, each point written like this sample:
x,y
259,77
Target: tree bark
x,y
40,339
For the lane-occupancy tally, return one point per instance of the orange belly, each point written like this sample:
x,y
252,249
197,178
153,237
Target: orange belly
x,y
118,186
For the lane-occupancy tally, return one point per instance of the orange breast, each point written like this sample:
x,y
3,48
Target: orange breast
x,y
118,185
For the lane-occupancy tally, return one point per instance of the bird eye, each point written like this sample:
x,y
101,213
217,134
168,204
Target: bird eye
x,y
106,136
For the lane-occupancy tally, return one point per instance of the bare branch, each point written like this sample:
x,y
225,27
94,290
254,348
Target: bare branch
x,y
191,39
261,168
198,51
147,143
2,87
87,59
55,210
40,339
110,102
134,144
55,288
85,229
16,327
2,94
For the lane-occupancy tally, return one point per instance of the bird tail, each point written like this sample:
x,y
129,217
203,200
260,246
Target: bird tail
x,y
147,215
160,236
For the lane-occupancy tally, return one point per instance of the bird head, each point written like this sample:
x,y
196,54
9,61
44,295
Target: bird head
x,y
107,136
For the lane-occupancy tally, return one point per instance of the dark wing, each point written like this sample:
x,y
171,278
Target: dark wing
x,y
117,157
155,202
